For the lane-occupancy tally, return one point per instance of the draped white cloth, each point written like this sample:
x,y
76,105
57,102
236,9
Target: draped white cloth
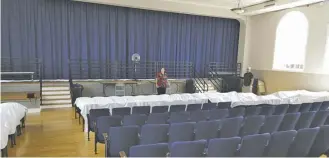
x,y
10,115
86,103
236,99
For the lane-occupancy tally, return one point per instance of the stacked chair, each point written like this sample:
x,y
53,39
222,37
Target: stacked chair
x,y
213,130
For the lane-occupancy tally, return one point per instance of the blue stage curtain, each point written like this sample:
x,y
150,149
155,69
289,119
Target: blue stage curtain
x,y
56,30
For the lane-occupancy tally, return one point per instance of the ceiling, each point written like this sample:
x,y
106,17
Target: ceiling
x,y
215,8
229,4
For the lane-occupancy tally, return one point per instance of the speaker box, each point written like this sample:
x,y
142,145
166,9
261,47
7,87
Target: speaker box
x,y
232,83
189,87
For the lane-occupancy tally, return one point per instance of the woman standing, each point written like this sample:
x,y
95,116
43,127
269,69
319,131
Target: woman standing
x,y
161,82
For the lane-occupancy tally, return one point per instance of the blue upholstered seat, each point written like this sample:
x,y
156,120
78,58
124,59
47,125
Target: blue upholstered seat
x,y
181,132
254,145
157,118
121,111
150,150
223,147
193,107
252,125
154,133
280,143
188,148
141,110
121,139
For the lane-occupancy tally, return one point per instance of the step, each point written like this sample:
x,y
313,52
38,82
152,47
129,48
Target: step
x,y
59,97
54,84
54,106
56,102
55,89
56,93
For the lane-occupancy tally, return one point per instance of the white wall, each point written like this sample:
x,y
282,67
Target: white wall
x,y
262,32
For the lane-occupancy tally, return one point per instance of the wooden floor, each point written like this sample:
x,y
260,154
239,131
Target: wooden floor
x,y
54,132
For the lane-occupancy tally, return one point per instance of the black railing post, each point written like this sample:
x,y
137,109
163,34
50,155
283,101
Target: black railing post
x,y
40,79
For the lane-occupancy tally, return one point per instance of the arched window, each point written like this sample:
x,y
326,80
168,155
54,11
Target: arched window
x,y
290,42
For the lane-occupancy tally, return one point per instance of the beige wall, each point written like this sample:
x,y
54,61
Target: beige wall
x,y
259,51
278,81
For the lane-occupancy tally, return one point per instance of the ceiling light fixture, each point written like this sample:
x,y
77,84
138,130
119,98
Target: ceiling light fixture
x,y
238,10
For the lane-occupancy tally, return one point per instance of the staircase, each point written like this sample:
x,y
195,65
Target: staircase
x,y
209,84
56,95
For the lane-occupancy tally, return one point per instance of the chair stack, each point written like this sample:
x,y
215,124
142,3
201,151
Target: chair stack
x,y
165,129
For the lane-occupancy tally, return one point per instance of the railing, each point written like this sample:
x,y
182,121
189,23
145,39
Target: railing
x,y
216,71
17,69
216,82
82,69
200,83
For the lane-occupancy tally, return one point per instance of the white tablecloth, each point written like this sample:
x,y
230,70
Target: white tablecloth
x,y
11,113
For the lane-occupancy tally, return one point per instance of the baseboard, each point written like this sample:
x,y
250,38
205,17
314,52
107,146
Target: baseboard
x,y
33,110
55,106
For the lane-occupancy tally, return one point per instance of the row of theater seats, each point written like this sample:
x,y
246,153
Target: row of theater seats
x,y
226,127
293,120
304,142
221,105
211,109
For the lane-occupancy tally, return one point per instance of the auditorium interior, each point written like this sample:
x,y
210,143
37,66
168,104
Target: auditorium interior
x,y
164,78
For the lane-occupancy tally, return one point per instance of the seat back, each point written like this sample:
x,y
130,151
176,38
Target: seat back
x,y
280,143
252,110
150,150
154,133
217,114
321,142
293,108
141,110
196,116
95,113
157,118
289,122
193,107
121,139
254,145
303,142
209,106
280,109
121,111
305,120
266,109
134,119
272,124
206,129
236,112
188,148
230,127
223,147
325,105
223,105
319,118
177,108
316,106
252,125
181,132
305,107
177,117
103,123
160,109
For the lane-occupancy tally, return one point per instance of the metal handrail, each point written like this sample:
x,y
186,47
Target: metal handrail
x,y
214,80
40,80
199,81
